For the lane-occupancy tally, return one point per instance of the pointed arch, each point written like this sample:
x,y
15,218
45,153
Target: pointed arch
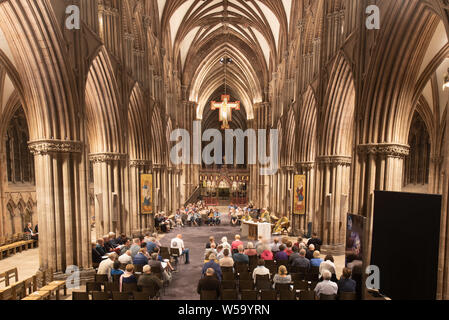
x,y
307,127
104,120
138,121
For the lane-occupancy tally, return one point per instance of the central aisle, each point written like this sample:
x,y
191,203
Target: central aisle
x,y
184,283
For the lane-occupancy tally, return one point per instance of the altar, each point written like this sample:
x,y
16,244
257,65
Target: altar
x,y
253,230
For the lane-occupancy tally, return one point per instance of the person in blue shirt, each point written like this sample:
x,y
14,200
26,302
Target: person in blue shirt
x,y
346,284
116,271
140,258
217,216
212,264
240,256
316,260
151,245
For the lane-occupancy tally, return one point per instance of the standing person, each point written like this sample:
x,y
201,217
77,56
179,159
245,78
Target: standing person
x,y
315,241
107,265
235,244
135,248
178,243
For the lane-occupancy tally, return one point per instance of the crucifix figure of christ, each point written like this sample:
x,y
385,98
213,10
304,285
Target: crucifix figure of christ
x,y
225,110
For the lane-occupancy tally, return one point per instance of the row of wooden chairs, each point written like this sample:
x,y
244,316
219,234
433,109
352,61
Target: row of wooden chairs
x,y
114,295
15,243
110,287
273,295
38,287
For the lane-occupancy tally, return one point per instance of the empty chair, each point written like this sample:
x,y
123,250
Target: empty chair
x,y
307,295
227,269
297,277
268,295
314,270
80,296
120,296
300,286
101,278
312,277
312,285
241,267
165,253
141,296
249,295
209,295
100,296
93,286
228,285
110,287
152,291
229,295
246,285
348,296
227,276
116,278
287,295
281,263
138,268
263,282
245,276
129,287
283,287
328,296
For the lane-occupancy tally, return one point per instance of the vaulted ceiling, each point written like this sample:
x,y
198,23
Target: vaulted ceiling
x,y
198,33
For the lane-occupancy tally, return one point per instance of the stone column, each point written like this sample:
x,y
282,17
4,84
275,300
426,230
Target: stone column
x,y
335,171
61,190
108,179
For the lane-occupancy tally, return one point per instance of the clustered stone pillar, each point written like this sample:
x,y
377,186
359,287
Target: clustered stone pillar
x,y
333,177
110,170
62,206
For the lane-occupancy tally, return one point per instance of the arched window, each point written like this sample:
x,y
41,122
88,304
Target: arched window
x,y
417,163
19,160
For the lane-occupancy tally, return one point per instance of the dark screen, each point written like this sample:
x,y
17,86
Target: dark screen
x,y
405,245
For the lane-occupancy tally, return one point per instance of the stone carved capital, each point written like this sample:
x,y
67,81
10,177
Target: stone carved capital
x,y
140,163
305,166
394,150
41,147
335,160
107,157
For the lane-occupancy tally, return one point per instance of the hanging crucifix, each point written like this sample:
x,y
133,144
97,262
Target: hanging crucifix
x,y
225,110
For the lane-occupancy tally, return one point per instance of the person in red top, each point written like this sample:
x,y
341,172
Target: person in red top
x,y
267,255
235,245
289,249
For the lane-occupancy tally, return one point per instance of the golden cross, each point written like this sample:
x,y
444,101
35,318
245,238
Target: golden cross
x,y
225,108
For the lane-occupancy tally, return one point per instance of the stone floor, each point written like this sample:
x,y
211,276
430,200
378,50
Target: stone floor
x,y
184,283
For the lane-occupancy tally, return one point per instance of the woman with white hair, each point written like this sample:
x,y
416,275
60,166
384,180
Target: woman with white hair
x,y
250,251
225,244
326,286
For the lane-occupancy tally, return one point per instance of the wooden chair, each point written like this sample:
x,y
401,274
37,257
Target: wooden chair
x,y
245,276
120,296
209,295
229,295
227,276
100,296
129,287
165,253
152,291
268,295
228,285
227,269
138,268
249,295
287,295
141,296
263,282
328,296
111,287
349,296
11,274
93,287
101,278
283,287
245,285
300,286
241,267
80,296
297,277
307,295
116,278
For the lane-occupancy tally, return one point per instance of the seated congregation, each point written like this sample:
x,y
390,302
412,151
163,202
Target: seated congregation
x,y
271,271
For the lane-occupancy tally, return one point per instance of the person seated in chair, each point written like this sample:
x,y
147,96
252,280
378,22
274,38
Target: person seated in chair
x,y
198,219
128,276
236,243
149,280
96,256
29,231
212,264
346,284
326,286
140,258
240,256
209,283
210,218
178,243
261,270
234,217
217,217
